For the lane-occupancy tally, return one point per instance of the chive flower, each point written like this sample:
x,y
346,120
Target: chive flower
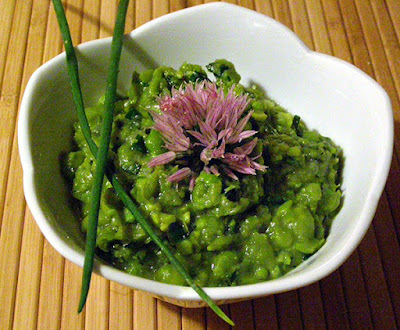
x,y
203,129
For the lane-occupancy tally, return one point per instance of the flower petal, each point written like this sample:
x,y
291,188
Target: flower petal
x,y
247,148
163,159
214,170
258,166
200,137
180,175
219,152
207,131
192,181
225,133
238,129
243,168
246,134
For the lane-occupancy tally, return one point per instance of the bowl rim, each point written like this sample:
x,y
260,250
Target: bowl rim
x,y
281,284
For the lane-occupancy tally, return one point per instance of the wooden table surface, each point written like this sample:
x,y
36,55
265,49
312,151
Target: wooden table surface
x,y
40,289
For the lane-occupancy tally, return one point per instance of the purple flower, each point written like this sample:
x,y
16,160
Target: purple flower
x,y
203,129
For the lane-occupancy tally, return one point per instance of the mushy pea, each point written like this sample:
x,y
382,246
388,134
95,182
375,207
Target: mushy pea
x,y
226,229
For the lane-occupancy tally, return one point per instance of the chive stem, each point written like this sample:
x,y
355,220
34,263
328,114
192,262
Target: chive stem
x,y
72,67
72,64
102,152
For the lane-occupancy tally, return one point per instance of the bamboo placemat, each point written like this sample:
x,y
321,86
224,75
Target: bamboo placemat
x,y
39,289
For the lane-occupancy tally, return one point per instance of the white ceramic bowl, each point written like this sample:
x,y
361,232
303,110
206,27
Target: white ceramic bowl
x,y
330,95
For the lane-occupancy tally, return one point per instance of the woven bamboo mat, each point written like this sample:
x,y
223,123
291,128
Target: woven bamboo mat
x,y
40,289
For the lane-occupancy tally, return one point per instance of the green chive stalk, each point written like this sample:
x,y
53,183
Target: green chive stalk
x,y
72,67
72,64
102,153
